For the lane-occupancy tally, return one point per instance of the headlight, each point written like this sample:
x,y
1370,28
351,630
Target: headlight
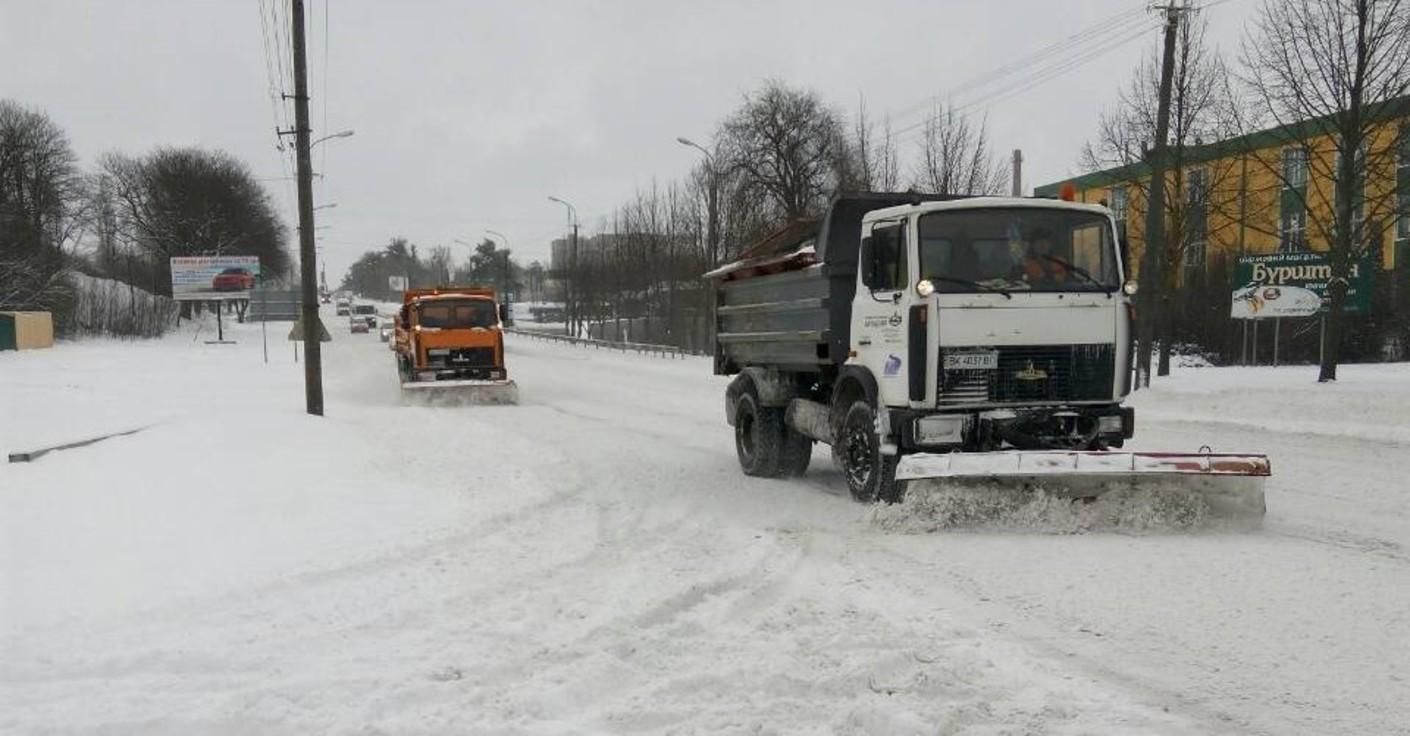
x,y
939,430
1109,424
925,288
1130,288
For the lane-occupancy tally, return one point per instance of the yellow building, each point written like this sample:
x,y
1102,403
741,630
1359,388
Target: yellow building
x,y
1264,192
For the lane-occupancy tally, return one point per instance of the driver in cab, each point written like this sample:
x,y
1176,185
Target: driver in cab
x,y
1040,266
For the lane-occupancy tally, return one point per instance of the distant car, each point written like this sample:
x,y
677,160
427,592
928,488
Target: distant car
x,y
356,325
366,313
344,308
326,299
386,330
233,279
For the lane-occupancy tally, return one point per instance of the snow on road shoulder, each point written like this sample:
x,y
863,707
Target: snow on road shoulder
x,y
1366,401
230,485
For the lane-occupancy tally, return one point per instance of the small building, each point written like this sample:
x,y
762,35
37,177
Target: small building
x,y
26,330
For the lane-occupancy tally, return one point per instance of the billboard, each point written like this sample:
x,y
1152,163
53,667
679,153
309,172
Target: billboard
x,y
396,283
1294,285
200,278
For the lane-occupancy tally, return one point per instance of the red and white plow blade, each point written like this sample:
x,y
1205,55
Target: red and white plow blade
x,y
1232,483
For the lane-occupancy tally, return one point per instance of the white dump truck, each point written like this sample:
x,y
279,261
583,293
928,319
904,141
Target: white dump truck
x,y
950,339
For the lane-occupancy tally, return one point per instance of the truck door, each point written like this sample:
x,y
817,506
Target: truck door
x,y
880,310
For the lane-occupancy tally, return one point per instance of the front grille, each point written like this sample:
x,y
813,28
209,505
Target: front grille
x,y
1033,374
464,358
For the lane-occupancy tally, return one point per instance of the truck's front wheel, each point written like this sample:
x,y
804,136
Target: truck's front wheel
x,y
871,476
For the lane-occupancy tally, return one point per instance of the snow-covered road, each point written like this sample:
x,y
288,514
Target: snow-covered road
x,y
592,561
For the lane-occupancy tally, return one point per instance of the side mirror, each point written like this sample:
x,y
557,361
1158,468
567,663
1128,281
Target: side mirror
x,y
504,315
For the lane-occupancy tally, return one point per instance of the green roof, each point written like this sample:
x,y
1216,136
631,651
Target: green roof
x,y
1391,109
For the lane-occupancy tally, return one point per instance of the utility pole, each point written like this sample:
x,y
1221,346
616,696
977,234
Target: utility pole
x,y
1017,172
313,354
1152,258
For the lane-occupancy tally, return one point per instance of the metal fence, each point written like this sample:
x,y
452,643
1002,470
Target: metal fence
x,y
665,351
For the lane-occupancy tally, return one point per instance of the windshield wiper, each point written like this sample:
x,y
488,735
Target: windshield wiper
x,y
975,284
1074,268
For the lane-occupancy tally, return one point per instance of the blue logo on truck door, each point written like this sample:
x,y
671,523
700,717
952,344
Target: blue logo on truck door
x,y
893,365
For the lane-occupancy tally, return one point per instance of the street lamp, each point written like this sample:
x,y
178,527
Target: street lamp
x,y
572,263
712,221
504,266
339,134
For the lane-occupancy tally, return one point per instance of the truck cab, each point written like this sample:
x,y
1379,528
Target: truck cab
x,y
972,312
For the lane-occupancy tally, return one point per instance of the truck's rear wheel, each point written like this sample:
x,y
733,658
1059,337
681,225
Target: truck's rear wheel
x,y
871,476
758,435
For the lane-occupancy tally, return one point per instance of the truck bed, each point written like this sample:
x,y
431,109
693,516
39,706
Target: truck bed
x,y
777,319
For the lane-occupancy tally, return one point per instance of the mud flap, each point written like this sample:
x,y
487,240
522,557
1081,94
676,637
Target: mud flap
x,y
1232,484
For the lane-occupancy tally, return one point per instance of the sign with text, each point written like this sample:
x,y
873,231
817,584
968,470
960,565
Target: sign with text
x,y
200,278
1295,285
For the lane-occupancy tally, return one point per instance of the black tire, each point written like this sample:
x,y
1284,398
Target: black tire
x,y
797,453
871,476
758,435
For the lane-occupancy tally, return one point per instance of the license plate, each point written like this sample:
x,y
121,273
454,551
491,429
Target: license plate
x,y
988,360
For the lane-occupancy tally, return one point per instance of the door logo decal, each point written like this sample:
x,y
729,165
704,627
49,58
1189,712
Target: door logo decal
x,y
893,365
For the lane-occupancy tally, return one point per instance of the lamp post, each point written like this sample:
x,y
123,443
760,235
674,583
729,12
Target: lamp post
x,y
712,226
504,264
339,134
568,289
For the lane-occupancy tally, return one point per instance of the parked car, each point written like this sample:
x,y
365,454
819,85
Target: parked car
x,y
233,279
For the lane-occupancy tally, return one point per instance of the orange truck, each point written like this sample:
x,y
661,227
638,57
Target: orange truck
x,y
449,346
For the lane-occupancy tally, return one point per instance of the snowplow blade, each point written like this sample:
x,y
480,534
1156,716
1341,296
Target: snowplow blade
x,y
460,393
1231,484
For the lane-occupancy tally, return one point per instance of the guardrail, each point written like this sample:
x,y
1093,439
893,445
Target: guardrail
x,y
665,351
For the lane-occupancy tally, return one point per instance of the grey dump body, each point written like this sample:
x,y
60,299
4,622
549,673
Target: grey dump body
x,y
798,318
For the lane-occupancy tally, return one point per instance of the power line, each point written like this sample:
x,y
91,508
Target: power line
x,y
1013,87
1112,25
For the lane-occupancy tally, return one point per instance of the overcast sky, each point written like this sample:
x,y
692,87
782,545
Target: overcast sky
x,y
469,114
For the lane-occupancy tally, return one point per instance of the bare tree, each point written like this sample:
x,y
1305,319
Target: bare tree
x,y
955,157
1203,107
874,164
189,201
786,143
1332,73
41,198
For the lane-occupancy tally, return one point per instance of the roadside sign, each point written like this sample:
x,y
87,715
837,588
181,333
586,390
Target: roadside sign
x,y
1294,285
396,283
204,278
296,333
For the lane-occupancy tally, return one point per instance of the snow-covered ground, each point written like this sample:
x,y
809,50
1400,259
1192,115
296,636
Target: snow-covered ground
x,y
592,561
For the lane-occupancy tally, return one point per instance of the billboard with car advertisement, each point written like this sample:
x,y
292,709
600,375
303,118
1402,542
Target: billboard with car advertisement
x,y
199,278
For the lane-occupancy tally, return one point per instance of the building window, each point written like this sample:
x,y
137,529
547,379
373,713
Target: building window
x,y
1117,197
1294,168
1402,227
1198,190
1404,146
1195,255
1292,231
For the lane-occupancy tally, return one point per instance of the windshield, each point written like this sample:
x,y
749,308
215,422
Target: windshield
x,y
462,314
1017,248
